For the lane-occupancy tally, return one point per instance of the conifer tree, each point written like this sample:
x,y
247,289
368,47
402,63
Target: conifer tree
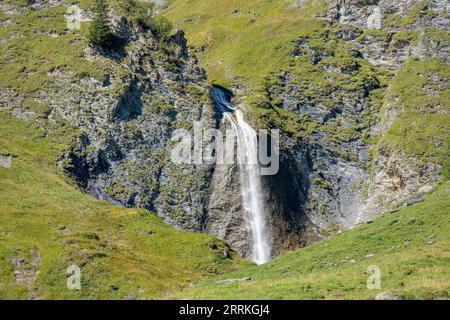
x,y
100,33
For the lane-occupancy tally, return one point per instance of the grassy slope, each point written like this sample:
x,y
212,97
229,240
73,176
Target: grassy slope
x,y
46,221
418,269
29,53
421,96
243,46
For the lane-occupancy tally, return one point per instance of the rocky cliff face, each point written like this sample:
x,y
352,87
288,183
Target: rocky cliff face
x,y
397,178
123,122
123,155
393,33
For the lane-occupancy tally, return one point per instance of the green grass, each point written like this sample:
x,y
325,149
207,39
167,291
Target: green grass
x,y
38,43
247,45
421,98
336,268
122,253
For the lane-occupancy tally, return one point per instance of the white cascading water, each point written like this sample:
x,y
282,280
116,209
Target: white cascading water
x,y
251,190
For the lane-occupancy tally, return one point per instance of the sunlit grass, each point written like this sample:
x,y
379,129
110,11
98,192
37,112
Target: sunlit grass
x,y
337,268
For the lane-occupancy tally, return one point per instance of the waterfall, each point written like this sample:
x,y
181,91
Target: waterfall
x,y
250,178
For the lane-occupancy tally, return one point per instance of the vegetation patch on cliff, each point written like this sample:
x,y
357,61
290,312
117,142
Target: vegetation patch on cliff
x,y
420,100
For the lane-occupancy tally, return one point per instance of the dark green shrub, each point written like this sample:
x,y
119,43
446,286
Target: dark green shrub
x,y
161,27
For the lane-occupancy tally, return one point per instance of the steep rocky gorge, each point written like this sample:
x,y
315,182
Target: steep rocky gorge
x,y
281,193
335,170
